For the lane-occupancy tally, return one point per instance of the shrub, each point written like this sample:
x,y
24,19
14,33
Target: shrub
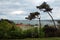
x,y
41,32
33,33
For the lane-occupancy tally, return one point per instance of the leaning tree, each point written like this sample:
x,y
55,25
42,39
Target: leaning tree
x,y
33,16
46,8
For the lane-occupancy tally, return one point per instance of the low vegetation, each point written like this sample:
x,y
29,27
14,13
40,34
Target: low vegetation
x,y
53,38
8,29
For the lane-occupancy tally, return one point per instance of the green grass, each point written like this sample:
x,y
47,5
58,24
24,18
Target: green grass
x,y
53,38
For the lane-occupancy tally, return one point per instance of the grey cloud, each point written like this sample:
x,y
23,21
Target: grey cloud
x,y
7,6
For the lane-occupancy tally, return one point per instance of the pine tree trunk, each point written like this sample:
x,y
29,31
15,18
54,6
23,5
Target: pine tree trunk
x,y
39,28
52,19
39,23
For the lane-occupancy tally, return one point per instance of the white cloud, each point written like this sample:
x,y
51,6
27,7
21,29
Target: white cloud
x,y
3,17
17,12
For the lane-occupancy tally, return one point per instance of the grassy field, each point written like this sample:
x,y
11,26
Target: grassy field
x,y
53,38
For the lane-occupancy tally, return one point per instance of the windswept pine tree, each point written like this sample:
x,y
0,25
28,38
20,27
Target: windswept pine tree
x,y
46,8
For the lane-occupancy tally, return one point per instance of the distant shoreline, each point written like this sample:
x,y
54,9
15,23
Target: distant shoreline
x,y
33,22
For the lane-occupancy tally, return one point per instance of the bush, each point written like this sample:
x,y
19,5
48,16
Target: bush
x,y
16,33
41,32
33,33
9,30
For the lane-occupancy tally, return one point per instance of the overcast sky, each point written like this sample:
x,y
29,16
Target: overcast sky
x,y
19,9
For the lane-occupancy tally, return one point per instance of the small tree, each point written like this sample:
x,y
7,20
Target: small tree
x,y
33,16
